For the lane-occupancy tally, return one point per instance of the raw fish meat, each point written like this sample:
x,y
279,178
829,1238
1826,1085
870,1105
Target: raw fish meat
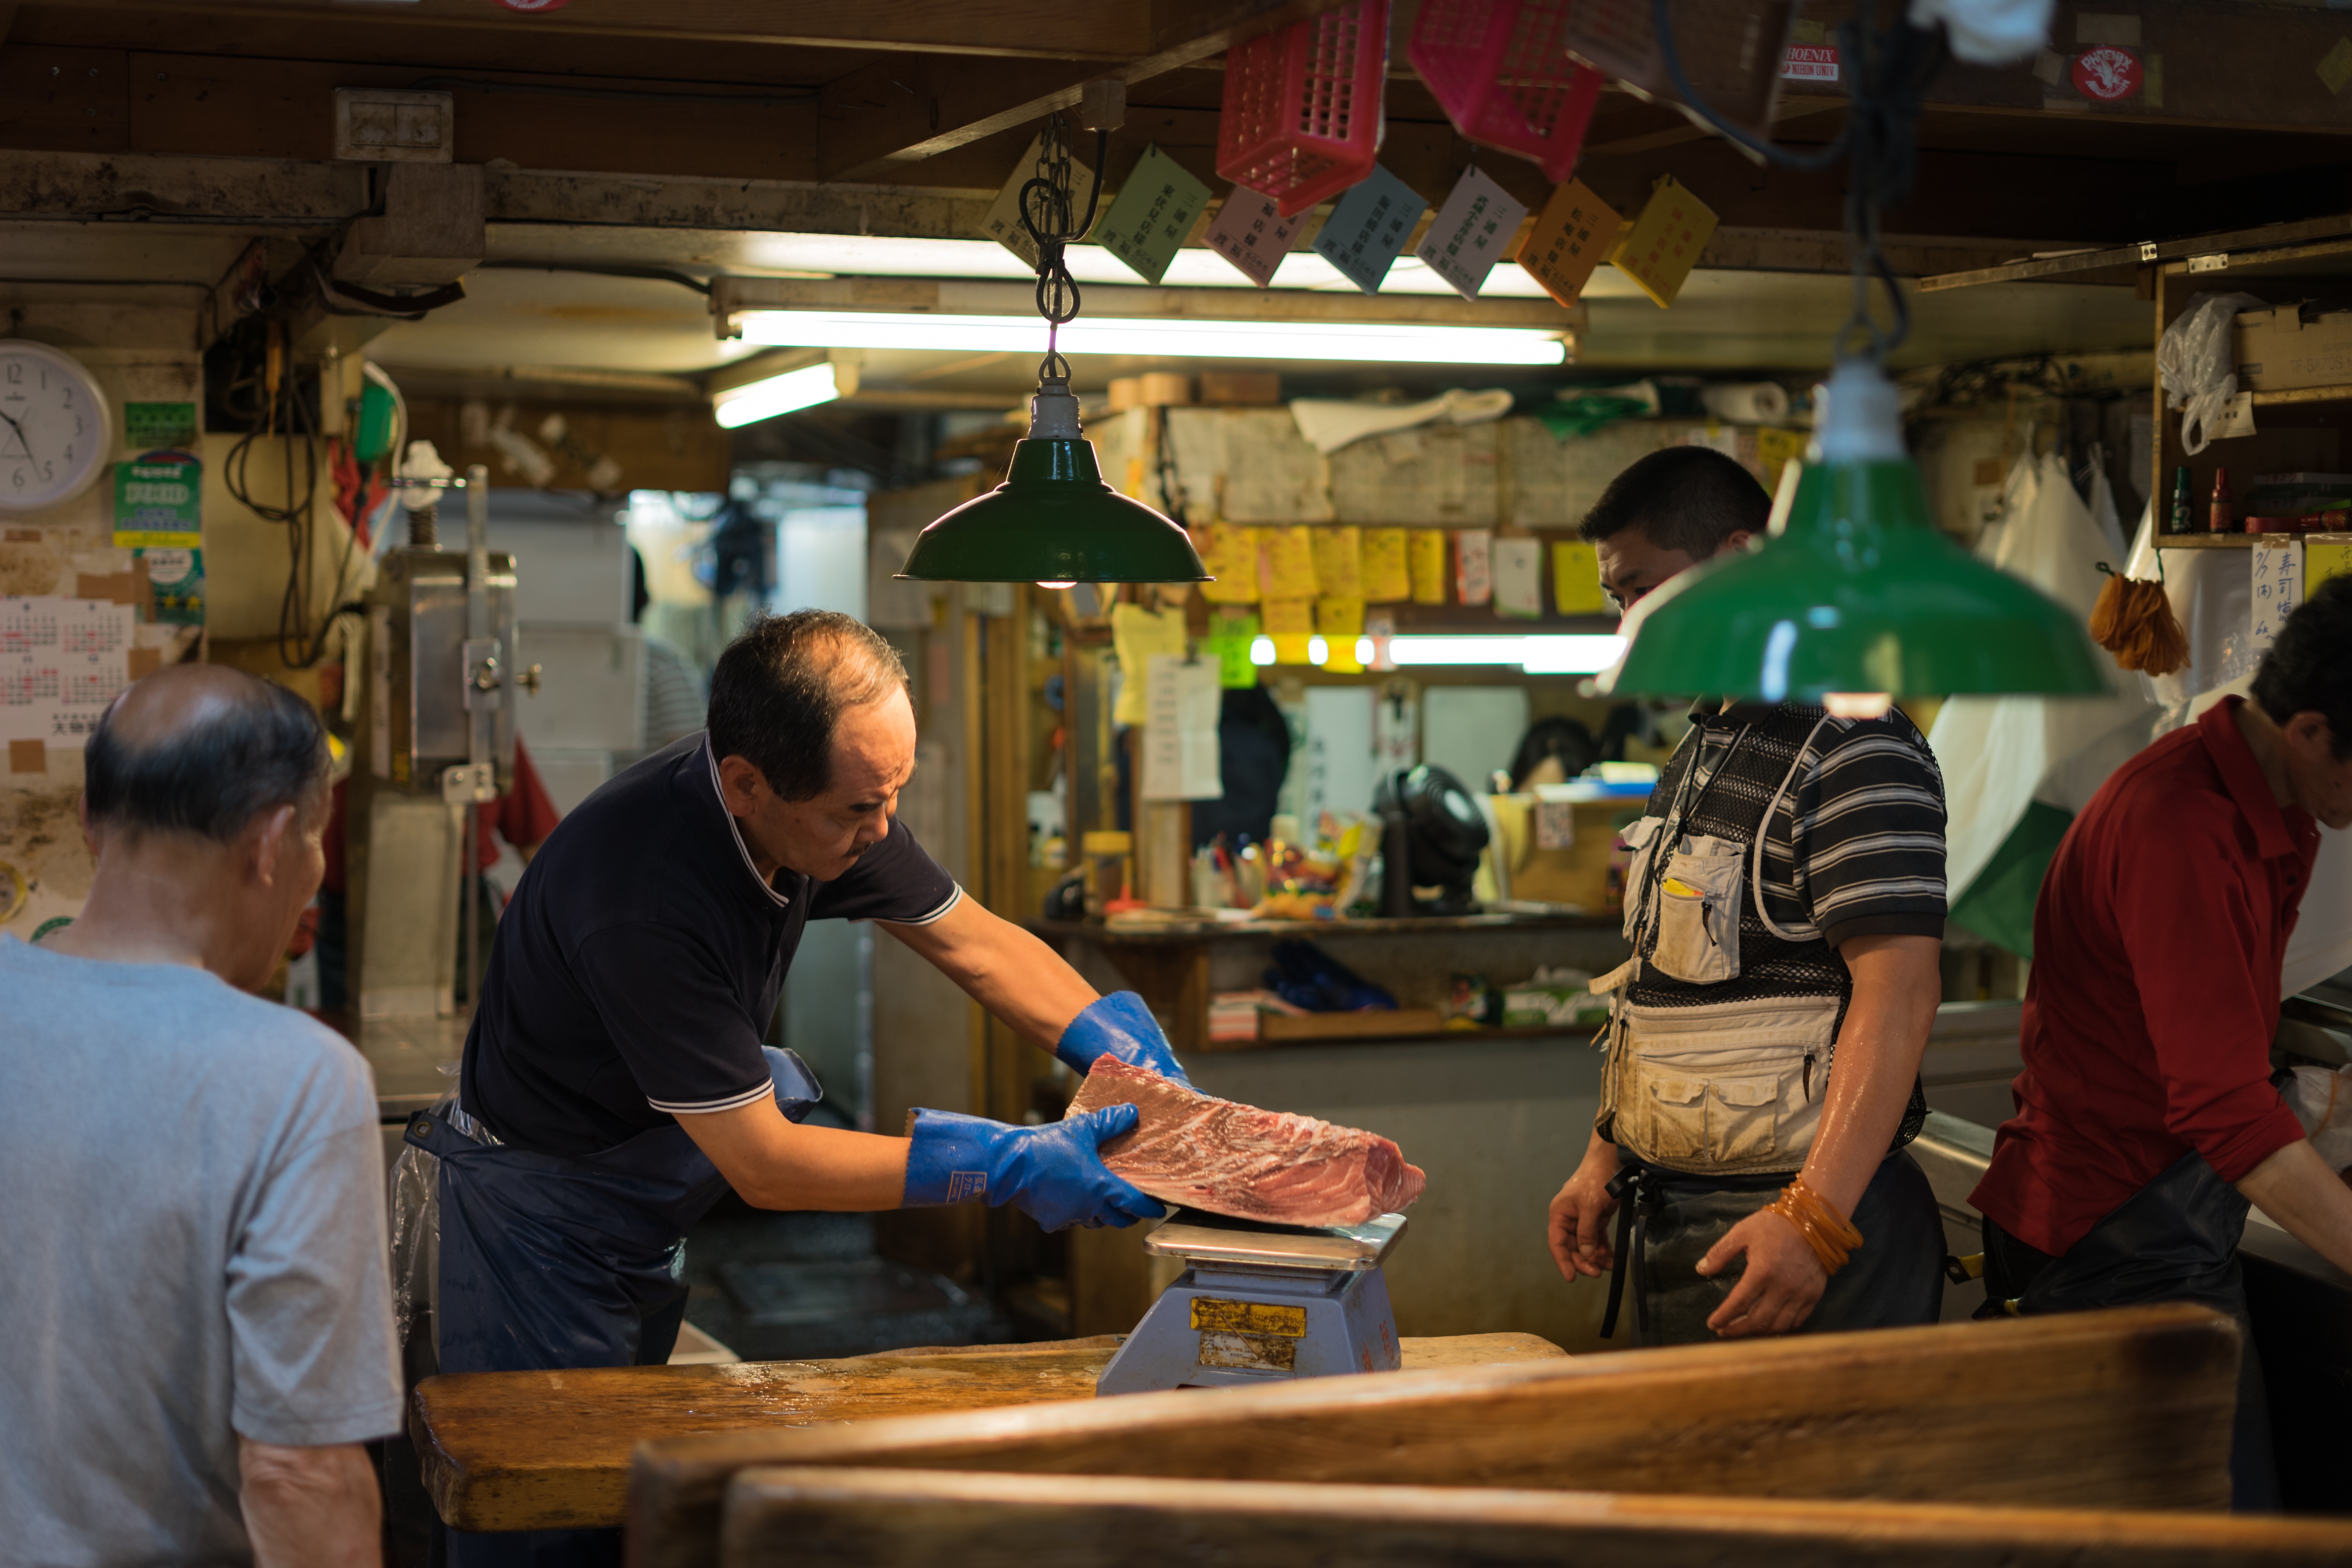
x,y
1198,1151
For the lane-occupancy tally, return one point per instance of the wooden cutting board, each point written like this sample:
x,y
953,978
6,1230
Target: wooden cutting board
x,y
551,1450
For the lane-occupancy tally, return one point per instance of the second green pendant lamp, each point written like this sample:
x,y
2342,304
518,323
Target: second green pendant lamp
x,y
1052,520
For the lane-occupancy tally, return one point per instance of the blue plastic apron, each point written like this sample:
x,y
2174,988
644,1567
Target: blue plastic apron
x,y
549,1262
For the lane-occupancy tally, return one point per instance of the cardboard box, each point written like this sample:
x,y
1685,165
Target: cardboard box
x,y
1232,388
2283,349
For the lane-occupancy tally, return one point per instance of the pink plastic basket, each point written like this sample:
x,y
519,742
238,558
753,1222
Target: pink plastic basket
x,y
1305,106
1501,71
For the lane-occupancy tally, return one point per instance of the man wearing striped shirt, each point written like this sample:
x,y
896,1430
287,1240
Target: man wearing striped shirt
x,y
1786,906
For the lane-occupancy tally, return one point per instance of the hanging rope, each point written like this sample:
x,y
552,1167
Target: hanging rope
x,y
1046,203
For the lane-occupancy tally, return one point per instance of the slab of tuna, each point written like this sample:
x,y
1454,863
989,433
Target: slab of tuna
x,y
1201,1153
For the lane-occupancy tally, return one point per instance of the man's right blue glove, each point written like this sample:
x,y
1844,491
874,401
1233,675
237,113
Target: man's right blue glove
x,y
1053,1173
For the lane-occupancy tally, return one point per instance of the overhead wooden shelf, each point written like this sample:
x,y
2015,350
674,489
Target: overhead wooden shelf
x,y
2304,395
2238,541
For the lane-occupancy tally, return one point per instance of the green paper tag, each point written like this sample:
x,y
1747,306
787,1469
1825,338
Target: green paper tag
x,y
1230,637
158,500
152,427
1155,210
1368,225
176,575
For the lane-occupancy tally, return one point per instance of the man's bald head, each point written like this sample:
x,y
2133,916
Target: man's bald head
x,y
780,690
201,749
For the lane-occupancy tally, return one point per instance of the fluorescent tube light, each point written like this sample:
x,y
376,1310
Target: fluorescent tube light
x,y
1154,338
786,394
1571,654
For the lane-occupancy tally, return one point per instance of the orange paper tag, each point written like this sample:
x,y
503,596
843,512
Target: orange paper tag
x,y
1572,235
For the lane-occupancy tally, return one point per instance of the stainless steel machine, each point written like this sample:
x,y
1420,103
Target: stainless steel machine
x,y
435,745
1261,1303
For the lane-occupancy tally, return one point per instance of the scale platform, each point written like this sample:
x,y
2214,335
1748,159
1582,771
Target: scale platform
x,y
1261,1303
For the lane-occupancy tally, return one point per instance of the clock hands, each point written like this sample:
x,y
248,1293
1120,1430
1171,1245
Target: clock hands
x,y
22,442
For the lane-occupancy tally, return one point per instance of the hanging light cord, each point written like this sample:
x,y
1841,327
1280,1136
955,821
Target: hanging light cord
x,y
1890,76
1046,203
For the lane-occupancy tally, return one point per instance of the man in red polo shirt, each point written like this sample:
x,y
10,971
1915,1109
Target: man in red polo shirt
x,y
2145,1116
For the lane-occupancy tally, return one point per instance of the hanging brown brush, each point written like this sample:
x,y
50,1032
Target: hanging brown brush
x,y
2134,622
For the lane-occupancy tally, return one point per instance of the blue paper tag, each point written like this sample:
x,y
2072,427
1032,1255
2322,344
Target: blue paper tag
x,y
1368,226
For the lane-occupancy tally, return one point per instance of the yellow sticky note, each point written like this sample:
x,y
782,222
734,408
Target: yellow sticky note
x,y
1425,563
1136,635
2322,559
1339,562
1386,578
1341,621
1286,566
1576,579
1574,233
1775,449
1291,624
1659,251
1230,554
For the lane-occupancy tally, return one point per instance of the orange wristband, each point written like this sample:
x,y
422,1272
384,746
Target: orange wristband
x,y
1829,1232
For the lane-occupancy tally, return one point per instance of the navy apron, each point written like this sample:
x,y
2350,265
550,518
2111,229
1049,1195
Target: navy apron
x,y
2176,1239
549,1262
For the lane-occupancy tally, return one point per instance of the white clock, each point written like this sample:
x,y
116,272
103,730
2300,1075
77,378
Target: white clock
x,y
55,427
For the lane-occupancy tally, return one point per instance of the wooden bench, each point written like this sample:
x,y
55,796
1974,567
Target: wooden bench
x,y
550,1450
833,1518
2125,1409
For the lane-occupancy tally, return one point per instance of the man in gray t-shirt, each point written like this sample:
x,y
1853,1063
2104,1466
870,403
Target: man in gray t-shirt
x,y
195,1287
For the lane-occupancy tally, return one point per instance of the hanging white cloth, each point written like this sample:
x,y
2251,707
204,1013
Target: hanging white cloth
x,y
1331,423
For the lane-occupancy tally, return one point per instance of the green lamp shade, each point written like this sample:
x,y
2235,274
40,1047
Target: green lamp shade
x,y
1858,594
1054,520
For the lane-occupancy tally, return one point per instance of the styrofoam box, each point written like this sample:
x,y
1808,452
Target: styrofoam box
x,y
591,690
573,571
571,776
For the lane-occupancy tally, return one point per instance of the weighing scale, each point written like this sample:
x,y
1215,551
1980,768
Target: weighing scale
x,y
1261,1303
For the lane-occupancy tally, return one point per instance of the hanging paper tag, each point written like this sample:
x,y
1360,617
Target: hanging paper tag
x,y
1471,232
1474,567
1287,568
1659,251
1291,624
1184,700
176,576
1425,559
1340,622
1231,633
158,500
1368,226
1250,232
1576,579
1338,562
1574,233
152,427
1003,222
1155,211
2278,586
1518,577
1386,577
2322,559
1230,554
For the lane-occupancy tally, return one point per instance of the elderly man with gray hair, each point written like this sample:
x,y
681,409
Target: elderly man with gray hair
x,y
195,1293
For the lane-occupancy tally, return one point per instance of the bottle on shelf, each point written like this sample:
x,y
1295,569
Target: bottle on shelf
x,y
2223,517
2183,508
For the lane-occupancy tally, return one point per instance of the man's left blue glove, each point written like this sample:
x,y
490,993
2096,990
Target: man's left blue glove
x,y
1053,1173
1119,1026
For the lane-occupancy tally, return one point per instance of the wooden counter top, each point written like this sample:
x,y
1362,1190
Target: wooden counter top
x,y
550,1450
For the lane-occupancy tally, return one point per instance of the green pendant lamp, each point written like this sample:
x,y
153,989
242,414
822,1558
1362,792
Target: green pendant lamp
x,y
1053,521
1858,598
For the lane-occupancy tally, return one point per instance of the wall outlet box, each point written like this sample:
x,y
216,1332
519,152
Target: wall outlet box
x,y
381,125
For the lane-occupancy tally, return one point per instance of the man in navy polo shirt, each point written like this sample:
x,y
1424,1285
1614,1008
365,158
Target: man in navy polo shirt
x,y
614,1081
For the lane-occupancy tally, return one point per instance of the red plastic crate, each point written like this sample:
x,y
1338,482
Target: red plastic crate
x,y
1305,106
1500,70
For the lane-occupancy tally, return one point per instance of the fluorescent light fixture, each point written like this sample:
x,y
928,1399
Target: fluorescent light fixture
x,y
1318,650
1262,650
794,390
1572,654
1155,338
1364,651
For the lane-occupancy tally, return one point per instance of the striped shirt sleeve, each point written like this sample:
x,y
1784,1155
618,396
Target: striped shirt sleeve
x,y
1868,834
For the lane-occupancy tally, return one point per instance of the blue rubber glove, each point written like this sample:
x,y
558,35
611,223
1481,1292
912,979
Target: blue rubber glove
x,y
1119,1026
1052,1173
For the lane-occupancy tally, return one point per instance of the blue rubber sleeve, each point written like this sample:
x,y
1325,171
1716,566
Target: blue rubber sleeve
x,y
1120,1025
1053,1173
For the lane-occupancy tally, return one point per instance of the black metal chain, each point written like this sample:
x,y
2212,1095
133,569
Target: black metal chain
x,y
1046,203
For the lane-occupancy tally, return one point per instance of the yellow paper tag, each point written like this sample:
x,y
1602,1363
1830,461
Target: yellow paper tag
x,y
1659,251
2322,559
1339,562
1340,622
1230,554
1775,449
1286,568
1137,634
1425,561
1572,235
1386,577
1291,624
1576,579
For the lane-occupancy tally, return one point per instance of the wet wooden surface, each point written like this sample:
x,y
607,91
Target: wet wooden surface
x,y
2122,1409
828,1518
533,1450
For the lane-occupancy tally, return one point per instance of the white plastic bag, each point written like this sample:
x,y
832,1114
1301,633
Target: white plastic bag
x,y
2198,364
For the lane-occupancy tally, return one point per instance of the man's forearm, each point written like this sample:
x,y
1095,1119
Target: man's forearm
x,y
1897,983
1004,969
773,1164
310,1507
2310,1202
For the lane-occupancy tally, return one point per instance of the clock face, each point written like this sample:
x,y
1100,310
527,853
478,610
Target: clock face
x,y
55,428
